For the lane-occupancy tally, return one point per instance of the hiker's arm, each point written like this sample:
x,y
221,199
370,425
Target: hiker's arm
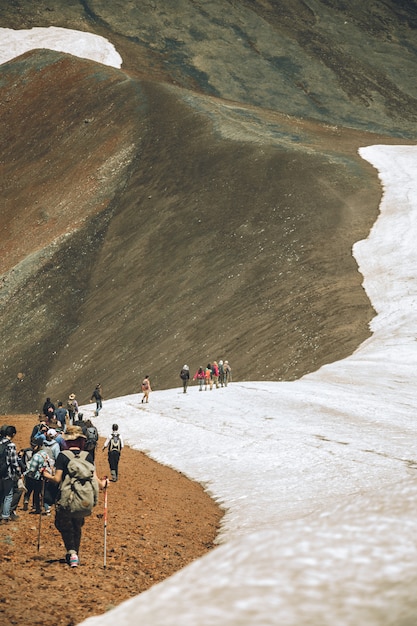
x,y
54,478
103,483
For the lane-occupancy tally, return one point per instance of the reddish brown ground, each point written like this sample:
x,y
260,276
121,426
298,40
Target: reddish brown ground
x,y
158,521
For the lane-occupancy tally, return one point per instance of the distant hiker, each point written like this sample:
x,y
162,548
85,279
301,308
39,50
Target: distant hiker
x,y
114,444
221,373
200,375
146,388
92,438
74,471
61,414
97,396
227,373
185,377
72,408
10,474
208,381
215,374
48,409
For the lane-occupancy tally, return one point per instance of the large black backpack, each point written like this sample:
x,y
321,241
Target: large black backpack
x,y
4,466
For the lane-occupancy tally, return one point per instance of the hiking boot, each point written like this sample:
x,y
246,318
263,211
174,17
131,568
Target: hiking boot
x,y
14,516
34,512
74,560
25,506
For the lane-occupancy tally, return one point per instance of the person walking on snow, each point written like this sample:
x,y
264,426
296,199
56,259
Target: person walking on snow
x,y
185,377
146,389
199,375
97,396
114,443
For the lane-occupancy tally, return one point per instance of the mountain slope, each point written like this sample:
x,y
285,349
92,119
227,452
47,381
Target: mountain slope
x,y
158,215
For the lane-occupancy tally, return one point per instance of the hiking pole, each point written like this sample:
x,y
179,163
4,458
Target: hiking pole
x,y
105,524
42,500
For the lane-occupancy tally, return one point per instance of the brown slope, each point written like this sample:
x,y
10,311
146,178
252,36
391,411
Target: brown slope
x,y
204,230
346,63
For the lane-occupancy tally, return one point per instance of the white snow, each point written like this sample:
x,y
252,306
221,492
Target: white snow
x,y
13,43
318,477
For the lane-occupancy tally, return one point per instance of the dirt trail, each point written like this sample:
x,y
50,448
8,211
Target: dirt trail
x,y
158,522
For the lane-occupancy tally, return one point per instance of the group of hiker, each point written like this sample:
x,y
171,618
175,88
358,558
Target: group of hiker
x,y
214,375
57,470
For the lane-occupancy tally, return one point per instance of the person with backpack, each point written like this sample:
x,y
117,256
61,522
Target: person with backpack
x,y
48,409
39,461
92,438
97,396
146,389
200,376
61,415
78,483
10,472
114,443
72,408
185,377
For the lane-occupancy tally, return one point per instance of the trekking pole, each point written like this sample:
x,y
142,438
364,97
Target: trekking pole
x,y
42,500
105,524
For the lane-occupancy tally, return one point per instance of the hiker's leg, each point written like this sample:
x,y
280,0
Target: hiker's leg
x,y
8,496
37,488
77,525
64,524
17,494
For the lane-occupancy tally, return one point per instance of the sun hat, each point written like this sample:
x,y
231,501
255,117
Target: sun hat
x,y
74,432
71,396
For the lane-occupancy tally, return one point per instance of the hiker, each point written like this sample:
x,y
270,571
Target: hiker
x,y
10,472
199,375
25,455
97,396
70,522
185,377
215,374
72,408
221,373
61,414
50,445
208,381
33,479
146,389
227,373
11,484
92,438
48,409
114,443
39,430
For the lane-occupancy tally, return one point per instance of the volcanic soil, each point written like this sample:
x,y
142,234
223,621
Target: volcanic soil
x,y
158,521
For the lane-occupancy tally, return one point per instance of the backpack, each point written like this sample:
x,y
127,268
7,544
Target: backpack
x,y
4,466
92,438
145,385
115,443
79,489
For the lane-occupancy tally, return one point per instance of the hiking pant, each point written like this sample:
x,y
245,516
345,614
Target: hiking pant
x,y
70,528
185,384
114,458
35,487
7,496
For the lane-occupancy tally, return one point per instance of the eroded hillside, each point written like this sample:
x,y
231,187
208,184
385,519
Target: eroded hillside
x,y
150,219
